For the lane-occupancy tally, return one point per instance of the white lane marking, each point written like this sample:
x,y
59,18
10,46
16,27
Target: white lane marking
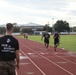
x,y
62,62
33,63
23,57
30,53
29,73
57,55
49,60
16,72
43,53
71,54
24,63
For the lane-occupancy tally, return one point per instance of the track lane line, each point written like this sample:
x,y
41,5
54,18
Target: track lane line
x,y
49,60
55,55
33,63
16,72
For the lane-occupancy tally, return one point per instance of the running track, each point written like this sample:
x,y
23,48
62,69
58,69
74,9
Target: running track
x,y
35,60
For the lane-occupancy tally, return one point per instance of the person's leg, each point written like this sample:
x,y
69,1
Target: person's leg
x,y
27,37
3,68
55,47
58,43
47,44
12,71
24,36
12,67
55,44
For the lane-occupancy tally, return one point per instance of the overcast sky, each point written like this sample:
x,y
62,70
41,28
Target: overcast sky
x,y
37,11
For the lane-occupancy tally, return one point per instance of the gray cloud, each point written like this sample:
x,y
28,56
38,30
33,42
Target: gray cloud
x,y
36,10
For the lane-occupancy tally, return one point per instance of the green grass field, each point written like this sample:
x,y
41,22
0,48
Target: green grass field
x,y
67,42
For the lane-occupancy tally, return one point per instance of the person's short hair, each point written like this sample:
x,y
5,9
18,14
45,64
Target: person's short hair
x,y
9,26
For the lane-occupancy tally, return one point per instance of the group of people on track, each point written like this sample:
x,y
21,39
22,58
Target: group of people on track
x,y
9,50
47,38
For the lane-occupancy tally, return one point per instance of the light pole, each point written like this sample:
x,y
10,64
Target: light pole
x,y
48,26
53,30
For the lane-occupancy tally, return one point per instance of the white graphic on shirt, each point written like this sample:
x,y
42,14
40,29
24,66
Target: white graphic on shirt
x,y
8,40
7,48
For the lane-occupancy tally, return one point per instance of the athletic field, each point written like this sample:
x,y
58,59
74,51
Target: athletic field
x,y
67,42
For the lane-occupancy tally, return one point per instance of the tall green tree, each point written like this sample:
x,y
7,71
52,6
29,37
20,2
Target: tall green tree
x,y
47,28
2,30
16,29
74,29
14,23
61,26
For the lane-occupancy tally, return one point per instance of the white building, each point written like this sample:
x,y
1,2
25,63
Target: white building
x,y
32,26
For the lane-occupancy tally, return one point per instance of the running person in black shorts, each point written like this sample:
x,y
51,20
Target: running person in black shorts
x,y
56,40
46,39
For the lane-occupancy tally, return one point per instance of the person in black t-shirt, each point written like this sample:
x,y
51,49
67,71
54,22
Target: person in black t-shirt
x,y
56,40
9,52
46,39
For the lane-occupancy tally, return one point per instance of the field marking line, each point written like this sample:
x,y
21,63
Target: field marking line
x,y
50,61
33,63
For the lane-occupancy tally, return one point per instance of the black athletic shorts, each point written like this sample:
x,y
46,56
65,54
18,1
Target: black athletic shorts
x,y
56,41
46,41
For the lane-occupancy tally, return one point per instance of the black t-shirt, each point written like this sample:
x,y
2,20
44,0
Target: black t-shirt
x,y
56,36
46,36
8,47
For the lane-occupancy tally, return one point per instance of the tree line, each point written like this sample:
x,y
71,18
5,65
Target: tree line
x,y
3,30
60,26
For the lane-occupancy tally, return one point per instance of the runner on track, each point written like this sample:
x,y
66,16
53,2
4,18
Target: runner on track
x,y
46,39
56,40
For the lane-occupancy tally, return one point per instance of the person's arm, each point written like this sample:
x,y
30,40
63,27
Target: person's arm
x,y
54,36
17,54
59,36
49,37
17,58
42,37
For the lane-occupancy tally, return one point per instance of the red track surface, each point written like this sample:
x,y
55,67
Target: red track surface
x,y
35,60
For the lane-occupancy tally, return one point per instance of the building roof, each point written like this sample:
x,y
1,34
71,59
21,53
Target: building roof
x,y
32,24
